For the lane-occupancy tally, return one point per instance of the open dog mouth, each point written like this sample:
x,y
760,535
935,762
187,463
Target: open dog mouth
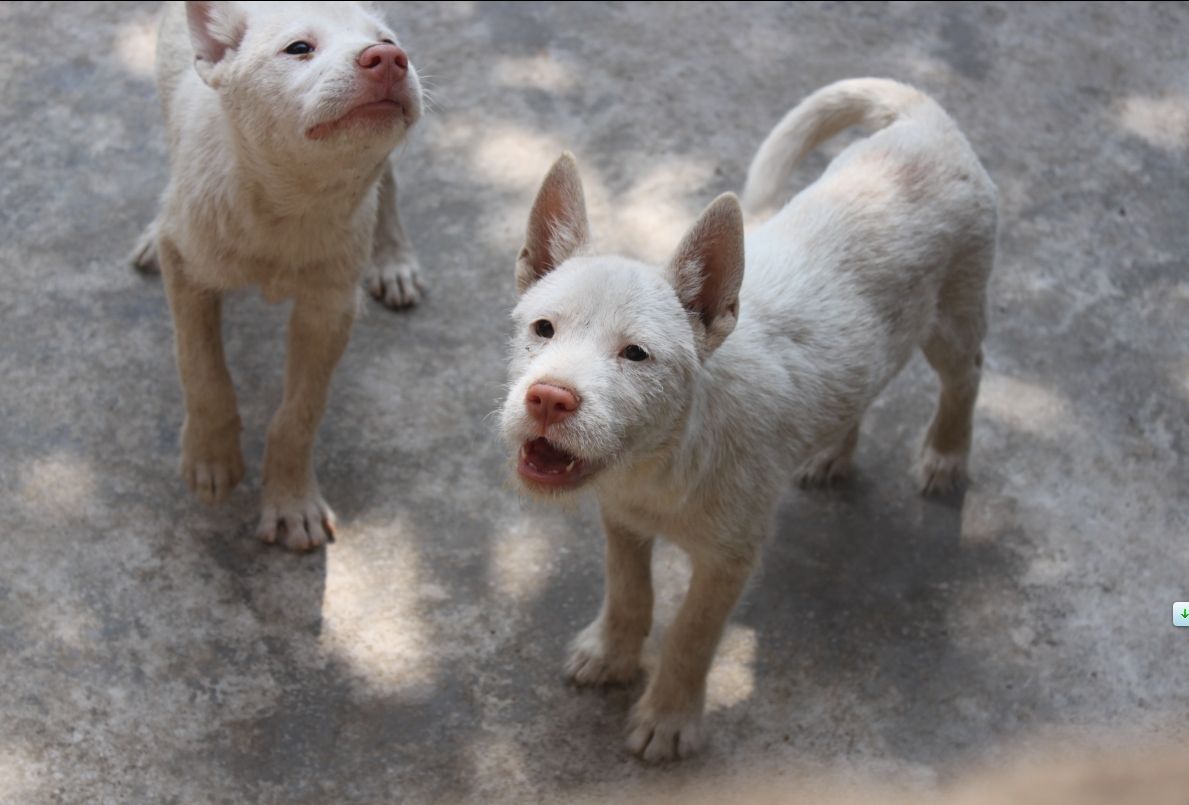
x,y
545,464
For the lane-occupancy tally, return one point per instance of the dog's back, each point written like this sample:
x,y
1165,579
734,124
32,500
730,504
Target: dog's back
x,y
893,241
889,250
878,105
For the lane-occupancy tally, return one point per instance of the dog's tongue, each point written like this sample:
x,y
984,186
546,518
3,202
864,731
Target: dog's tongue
x,y
544,457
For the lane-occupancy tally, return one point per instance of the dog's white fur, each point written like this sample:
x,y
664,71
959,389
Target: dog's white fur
x,y
255,199
753,381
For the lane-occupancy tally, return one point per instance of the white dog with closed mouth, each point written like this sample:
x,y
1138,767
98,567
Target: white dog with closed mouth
x,y
688,396
280,118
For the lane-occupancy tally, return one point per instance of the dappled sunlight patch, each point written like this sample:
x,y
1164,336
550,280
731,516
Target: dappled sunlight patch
x,y
534,72
521,556
1025,405
1162,122
923,69
59,484
499,763
647,221
372,609
21,776
671,573
986,517
650,219
515,156
732,677
136,46
73,625
1048,571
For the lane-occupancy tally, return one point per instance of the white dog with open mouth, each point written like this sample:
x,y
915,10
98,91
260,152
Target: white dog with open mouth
x,y
688,396
280,117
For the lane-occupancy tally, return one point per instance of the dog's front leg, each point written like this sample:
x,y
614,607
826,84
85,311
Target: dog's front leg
x,y
394,275
211,460
667,721
608,650
293,511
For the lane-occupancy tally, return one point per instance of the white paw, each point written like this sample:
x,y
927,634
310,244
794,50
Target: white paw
x,y
659,736
396,283
212,466
298,523
824,469
592,662
938,473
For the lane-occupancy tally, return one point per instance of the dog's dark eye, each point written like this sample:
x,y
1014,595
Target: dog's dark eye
x,y
543,328
634,353
299,48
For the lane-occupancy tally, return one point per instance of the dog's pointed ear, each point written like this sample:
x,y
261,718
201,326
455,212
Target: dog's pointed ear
x,y
557,225
216,28
707,269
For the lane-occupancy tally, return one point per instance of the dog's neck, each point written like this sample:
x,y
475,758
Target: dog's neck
x,y
286,186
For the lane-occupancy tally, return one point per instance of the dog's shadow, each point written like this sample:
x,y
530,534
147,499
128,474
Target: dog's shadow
x,y
311,707
855,606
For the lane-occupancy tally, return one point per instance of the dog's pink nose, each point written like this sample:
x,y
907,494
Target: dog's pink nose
x,y
550,404
383,60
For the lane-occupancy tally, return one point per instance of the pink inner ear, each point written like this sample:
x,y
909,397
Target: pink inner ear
x,y
557,225
709,262
212,30
716,293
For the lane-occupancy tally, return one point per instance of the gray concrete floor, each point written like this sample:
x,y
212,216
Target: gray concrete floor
x,y
150,649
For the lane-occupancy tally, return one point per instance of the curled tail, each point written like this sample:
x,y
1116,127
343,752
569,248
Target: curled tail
x,y
870,102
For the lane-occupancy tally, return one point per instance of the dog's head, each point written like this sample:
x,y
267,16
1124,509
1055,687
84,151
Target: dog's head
x,y
607,349
306,79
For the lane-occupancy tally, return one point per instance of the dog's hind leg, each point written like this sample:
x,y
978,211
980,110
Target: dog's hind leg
x,y
394,275
830,465
954,350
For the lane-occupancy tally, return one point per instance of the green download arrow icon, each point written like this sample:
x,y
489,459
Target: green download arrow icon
x,y
1185,614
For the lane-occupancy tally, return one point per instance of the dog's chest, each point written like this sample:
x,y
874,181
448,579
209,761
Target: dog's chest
x,y
282,251
307,230
641,516
653,508
310,242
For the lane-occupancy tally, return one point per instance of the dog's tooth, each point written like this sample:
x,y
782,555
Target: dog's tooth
x,y
570,466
